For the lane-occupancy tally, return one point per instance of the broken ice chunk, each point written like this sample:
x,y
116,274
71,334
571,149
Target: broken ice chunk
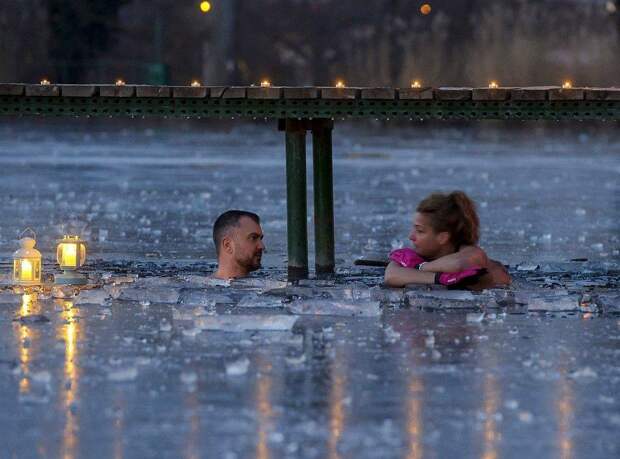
x,y
123,374
92,296
238,323
475,317
449,299
238,367
556,301
259,301
189,378
336,307
150,295
584,373
527,267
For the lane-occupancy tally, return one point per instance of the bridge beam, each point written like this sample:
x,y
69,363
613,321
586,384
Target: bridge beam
x,y
323,196
297,210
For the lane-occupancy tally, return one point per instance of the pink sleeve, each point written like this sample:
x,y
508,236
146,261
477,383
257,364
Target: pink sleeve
x,y
407,258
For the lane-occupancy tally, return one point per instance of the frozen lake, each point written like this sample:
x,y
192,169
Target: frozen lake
x,y
154,361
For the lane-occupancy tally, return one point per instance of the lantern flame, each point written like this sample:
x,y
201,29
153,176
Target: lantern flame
x,y
567,85
416,84
45,82
265,84
493,85
340,84
195,83
119,82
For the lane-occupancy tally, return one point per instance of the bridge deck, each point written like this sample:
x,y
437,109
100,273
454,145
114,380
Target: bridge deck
x,y
531,103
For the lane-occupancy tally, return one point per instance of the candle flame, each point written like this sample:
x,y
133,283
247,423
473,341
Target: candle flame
x,y
265,84
340,84
416,84
493,85
45,82
567,85
119,82
195,83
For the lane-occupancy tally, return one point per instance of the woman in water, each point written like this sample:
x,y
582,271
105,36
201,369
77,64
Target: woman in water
x,y
445,235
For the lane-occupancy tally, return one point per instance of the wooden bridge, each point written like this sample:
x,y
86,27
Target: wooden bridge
x,y
299,110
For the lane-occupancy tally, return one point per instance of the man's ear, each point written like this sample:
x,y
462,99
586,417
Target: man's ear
x,y
227,244
443,237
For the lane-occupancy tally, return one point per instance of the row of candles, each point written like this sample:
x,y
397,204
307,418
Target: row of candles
x,y
416,84
70,254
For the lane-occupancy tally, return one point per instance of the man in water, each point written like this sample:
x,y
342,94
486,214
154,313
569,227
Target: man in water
x,y
238,240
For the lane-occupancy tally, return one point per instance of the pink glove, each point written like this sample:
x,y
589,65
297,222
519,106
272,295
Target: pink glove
x,y
450,279
407,258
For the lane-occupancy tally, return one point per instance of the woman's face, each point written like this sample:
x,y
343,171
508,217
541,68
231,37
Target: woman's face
x,y
426,241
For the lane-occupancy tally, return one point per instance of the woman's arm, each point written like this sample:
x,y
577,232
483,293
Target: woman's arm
x,y
399,276
465,258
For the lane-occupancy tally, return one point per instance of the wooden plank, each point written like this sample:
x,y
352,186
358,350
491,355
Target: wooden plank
x,y
11,89
339,93
259,92
234,92
78,90
415,93
300,93
190,91
112,90
490,94
453,93
152,91
378,93
566,94
603,94
531,93
42,90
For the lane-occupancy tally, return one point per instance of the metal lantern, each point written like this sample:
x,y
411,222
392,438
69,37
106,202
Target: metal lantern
x,y
71,255
27,262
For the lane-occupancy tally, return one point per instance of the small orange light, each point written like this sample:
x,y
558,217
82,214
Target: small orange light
x,y
119,82
195,83
45,82
425,9
567,85
416,84
493,85
340,84
265,84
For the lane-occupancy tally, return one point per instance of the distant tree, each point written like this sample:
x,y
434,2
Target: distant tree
x,y
81,30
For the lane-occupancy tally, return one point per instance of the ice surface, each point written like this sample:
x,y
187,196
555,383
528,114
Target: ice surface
x,y
10,298
362,308
237,323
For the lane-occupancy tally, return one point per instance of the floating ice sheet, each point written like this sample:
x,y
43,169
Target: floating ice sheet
x,y
449,299
362,308
259,301
237,323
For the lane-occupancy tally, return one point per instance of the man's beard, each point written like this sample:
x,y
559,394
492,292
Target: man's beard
x,y
252,263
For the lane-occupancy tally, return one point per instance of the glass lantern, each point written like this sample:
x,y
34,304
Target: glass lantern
x,y
27,262
71,255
